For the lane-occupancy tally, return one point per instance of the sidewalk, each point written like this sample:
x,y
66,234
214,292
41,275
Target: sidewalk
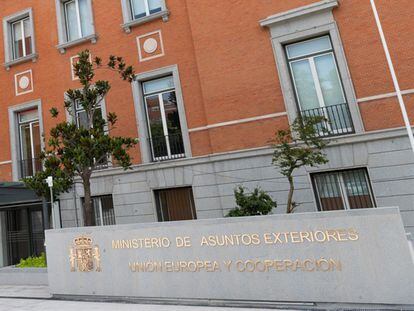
x,y
33,298
12,304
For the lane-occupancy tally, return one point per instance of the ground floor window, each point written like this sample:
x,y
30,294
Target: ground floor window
x,y
175,204
339,190
103,210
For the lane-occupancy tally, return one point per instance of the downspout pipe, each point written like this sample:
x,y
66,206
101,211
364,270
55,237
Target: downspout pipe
x,y
394,76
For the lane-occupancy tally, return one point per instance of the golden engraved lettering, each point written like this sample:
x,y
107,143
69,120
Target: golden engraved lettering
x,y
331,234
294,237
227,263
307,265
267,238
320,236
353,234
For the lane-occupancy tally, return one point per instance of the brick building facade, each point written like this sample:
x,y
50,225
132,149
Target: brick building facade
x,y
215,80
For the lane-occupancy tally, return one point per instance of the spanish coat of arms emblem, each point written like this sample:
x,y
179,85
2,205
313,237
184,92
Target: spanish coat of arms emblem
x,y
84,256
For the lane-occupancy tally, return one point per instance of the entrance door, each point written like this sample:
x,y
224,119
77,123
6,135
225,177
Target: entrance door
x,y
24,233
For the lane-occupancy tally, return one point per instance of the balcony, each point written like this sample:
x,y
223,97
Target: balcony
x,y
29,167
168,147
339,120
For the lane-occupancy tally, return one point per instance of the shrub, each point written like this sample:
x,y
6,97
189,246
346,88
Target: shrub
x,y
33,262
256,203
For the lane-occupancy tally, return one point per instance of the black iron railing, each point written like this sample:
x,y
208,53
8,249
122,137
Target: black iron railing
x,y
29,167
101,164
167,147
338,119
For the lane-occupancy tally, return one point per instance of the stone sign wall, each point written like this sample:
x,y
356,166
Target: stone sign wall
x,y
358,256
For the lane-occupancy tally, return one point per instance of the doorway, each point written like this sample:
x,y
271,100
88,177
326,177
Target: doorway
x,y
24,232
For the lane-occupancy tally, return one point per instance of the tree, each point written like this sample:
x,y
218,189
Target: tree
x,y
300,145
256,203
76,149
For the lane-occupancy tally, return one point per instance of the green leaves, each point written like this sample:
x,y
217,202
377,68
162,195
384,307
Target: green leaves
x,y
299,146
33,262
256,203
54,112
78,150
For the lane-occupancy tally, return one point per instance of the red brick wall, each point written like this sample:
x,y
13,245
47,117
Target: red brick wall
x,y
225,61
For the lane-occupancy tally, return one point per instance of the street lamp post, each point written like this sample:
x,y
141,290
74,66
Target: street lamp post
x,y
49,182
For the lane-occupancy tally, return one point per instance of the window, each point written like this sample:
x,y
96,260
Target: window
x,y
142,8
77,19
19,38
136,12
175,204
310,33
75,23
82,121
81,117
165,136
103,210
341,190
22,38
30,145
317,83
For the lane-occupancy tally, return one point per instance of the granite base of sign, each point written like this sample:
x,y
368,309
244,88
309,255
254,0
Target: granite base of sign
x,y
23,276
357,257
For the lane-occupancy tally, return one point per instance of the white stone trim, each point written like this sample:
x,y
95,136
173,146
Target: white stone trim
x,y
74,78
299,12
301,24
248,153
6,162
63,44
141,115
16,83
144,59
129,22
239,121
14,135
384,95
8,44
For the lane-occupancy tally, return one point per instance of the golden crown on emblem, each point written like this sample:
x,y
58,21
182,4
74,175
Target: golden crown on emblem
x,y
82,241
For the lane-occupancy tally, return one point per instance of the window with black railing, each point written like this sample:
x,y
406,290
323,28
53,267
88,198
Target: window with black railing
x,y
337,119
318,86
165,135
167,147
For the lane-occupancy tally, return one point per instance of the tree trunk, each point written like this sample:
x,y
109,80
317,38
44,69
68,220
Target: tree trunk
x,y
290,207
87,206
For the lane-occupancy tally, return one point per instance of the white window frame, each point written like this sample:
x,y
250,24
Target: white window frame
x,y
21,22
160,94
140,110
315,78
72,116
130,21
342,188
8,22
77,109
78,19
30,122
63,43
303,23
15,135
